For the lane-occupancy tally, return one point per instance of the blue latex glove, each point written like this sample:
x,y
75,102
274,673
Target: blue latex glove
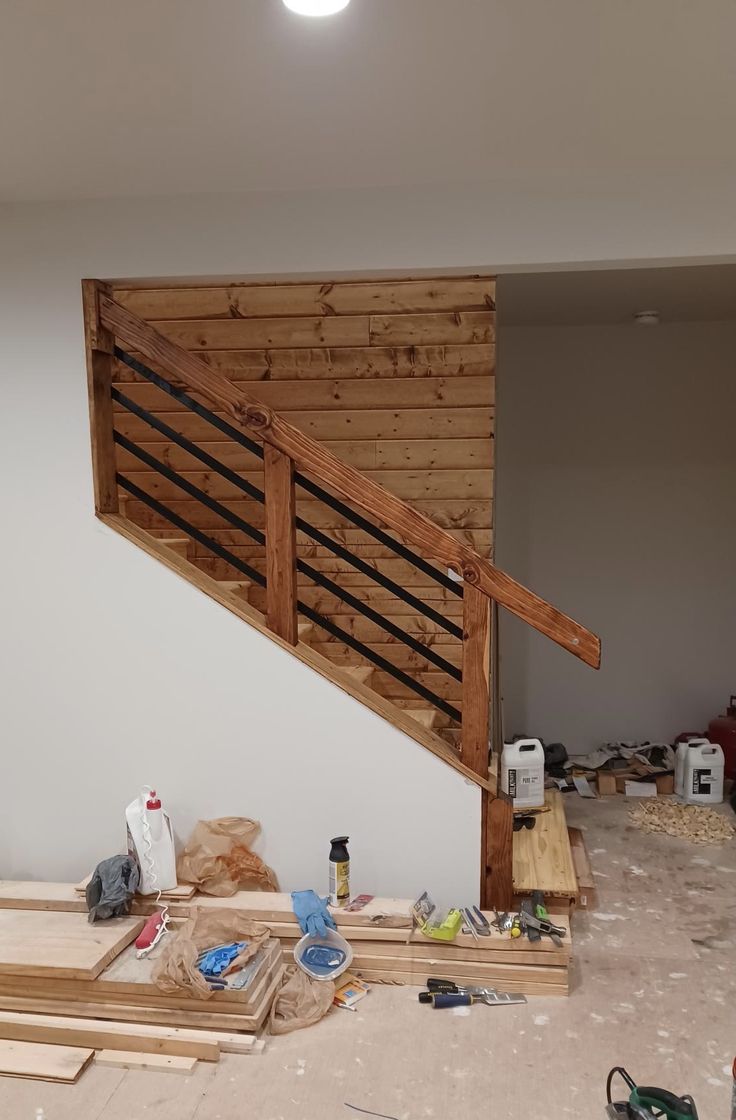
x,y
311,912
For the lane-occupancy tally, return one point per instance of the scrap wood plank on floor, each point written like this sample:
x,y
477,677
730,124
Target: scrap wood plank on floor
x,y
587,894
41,1062
160,1063
22,1027
60,944
542,859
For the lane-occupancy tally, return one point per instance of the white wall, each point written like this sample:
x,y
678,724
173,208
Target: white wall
x,y
113,672
616,471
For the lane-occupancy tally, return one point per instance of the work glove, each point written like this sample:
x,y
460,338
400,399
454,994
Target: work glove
x,y
312,913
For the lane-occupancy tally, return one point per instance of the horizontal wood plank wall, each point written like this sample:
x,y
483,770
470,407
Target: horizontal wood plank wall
x,y
396,377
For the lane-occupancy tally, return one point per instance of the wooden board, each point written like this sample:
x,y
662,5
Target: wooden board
x,y
19,1026
416,978
587,892
60,944
39,1062
182,891
542,859
158,1063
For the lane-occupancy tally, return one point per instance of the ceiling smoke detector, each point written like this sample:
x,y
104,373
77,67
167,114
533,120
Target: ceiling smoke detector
x,y
316,7
646,318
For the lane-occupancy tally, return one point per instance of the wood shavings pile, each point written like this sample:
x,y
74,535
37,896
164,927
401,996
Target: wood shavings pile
x,y
696,823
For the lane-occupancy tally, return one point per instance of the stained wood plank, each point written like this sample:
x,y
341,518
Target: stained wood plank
x,y
400,655
355,393
451,514
365,455
411,485
497,841
99,344
39,1062
61,944
280,545
311,363
359,542
476,678
335,426
243,334
426,330
330,298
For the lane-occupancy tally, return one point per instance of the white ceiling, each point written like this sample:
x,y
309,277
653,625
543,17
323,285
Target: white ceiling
x,y
695,293
121,97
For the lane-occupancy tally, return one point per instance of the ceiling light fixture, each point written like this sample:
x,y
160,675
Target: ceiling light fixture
x,y
316,7
646,318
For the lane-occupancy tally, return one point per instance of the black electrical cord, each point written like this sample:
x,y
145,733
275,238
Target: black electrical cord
x,y
627,1078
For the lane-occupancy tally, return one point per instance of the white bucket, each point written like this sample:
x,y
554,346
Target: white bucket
x,y
703,775
680,756
522,773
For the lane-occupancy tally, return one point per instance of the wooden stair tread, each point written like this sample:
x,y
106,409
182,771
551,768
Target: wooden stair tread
x,y
542,857
362,673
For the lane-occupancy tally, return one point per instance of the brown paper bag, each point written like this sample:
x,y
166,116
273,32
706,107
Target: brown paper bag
x,y
176,970
218,858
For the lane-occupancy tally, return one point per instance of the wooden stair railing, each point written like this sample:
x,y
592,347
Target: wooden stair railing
x,y
112,331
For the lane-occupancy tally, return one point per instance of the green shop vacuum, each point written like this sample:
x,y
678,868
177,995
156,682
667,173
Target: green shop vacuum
x,y
645,1102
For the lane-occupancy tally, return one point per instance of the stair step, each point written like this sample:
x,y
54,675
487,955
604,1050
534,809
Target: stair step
x,y
180,545
361,673
306,632
426,716
238,587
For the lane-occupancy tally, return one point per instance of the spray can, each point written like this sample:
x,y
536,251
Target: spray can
x,y
339,871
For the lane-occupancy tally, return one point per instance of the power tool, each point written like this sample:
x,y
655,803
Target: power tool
x,y
646,1102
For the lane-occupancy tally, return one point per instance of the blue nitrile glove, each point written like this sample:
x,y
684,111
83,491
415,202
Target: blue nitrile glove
x,y
312,913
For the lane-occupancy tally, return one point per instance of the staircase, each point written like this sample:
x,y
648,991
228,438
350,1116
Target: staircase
x,y
408,636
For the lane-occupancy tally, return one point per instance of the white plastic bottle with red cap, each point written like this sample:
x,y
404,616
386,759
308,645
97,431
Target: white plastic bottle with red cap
x,y
151,842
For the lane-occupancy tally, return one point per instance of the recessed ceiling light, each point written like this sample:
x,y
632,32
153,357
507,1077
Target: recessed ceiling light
x,y
316,7
646,318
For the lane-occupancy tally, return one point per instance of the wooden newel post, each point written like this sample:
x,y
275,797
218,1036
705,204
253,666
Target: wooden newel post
x,y
99,343
281,589
497,812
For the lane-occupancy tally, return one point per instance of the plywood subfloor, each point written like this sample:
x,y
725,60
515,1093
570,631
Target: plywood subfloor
x,y
62,945
542,856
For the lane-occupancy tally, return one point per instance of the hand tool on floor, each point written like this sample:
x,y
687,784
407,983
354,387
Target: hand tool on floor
x,y
466,998
435,985
646,1102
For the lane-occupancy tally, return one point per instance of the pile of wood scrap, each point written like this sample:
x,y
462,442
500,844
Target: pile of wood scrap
x,y
386,946
697,823
68,988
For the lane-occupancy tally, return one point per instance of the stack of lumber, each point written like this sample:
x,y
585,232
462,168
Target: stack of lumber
x,y
68,988
386,950
543,858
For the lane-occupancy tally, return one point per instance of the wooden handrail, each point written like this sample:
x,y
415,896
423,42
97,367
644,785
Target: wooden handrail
x,y
350,484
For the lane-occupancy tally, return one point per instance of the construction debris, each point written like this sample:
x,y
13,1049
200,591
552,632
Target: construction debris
x,y
696,823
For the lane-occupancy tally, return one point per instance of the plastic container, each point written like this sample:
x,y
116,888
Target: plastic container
x,y
703,776
722,730
151,843
331,940
522,773
683,744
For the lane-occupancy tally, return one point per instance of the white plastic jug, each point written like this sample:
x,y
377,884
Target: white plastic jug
x,y
522,773
703,777
680,755
151,842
